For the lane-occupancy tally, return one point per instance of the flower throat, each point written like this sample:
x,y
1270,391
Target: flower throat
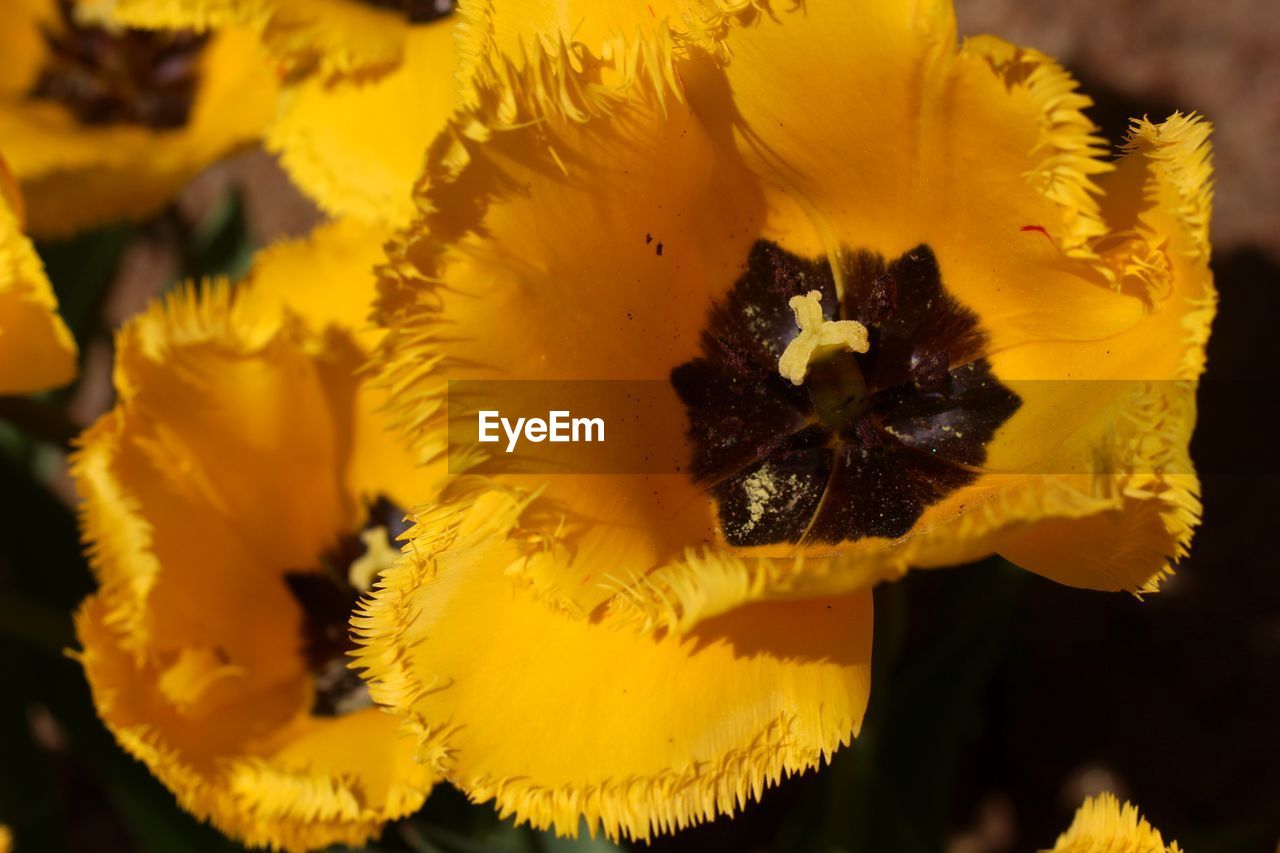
x,y
107,77
327,595
877,406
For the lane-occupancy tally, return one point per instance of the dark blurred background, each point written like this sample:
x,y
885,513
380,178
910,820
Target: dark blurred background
x,y
1000,699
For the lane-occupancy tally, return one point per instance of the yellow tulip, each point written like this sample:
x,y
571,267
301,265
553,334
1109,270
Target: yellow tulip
x,y
640,195
236,501
91,143
369,84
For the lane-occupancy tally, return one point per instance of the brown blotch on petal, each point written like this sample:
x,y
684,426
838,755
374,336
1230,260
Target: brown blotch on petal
x,y
931,370
326,597
416,11
126,77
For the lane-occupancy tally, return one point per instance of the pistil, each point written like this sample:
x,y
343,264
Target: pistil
x,y
818,338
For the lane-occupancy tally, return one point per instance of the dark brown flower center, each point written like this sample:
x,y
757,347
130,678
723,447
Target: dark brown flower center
x,y
327,597
416,11
870,440
120,77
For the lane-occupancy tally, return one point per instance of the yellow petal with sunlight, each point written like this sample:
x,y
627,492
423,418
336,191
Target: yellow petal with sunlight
x,y
529,301
356,145
288,279
36,348
334,37
656,734
1104,825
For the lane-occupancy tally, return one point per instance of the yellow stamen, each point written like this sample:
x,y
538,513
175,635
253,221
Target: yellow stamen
x,y
818,337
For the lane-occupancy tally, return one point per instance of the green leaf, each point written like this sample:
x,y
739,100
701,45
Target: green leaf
x,y
149,812
48,577
892,790
549,842
81,268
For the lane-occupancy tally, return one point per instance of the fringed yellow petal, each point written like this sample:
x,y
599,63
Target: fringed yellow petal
x,y
1155,254
179,519
36,348
957,148
333,779
114,533
328,280
500,233
307,785
77,176
1142,482
1068,154
522,60
1182,165
1116,525
336,38
523,63
666,733
1104,825
356,145
1132,417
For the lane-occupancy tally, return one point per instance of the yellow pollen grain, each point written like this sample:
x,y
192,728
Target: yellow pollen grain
x,y
818,338
760,488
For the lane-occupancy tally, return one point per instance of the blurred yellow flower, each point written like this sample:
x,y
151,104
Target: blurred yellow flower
x,y
6,839
36,348
370,83
237,500
1103,825
101,123
641,198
